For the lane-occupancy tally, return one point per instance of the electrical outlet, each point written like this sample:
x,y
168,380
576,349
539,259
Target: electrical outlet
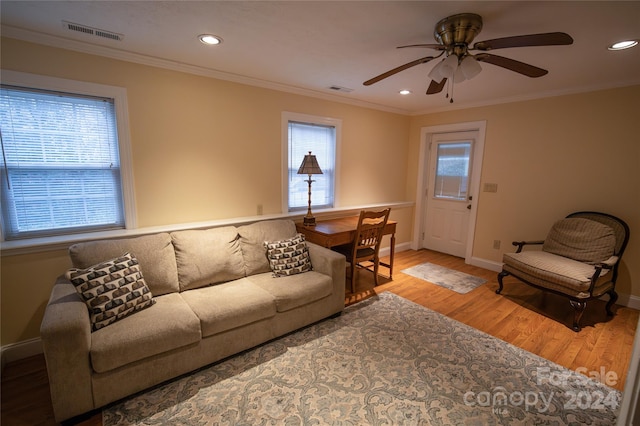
x,y
496,244
259,209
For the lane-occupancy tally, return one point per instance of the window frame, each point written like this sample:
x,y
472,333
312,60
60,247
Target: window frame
x,y
119,96
313,120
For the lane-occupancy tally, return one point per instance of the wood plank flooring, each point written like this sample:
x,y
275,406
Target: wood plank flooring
x,y
521,315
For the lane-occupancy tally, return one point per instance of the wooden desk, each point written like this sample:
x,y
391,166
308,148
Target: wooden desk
x,y
336,232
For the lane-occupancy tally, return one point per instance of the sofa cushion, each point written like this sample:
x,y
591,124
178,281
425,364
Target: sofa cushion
x,y
288,257
112,290
208,256
167,325
295,290
154,253
229,305
252,238
581,239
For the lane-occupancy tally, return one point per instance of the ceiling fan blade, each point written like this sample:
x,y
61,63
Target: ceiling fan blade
x,y
511,64
397,70
428,46
435,87
545,39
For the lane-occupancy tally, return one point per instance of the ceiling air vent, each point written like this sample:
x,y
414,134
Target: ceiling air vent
x,y
92,31
340,89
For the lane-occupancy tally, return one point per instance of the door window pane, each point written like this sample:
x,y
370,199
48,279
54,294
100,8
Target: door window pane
x,y
452,171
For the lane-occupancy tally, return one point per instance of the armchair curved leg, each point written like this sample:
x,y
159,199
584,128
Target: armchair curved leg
x,y
579,310
501,275
613,296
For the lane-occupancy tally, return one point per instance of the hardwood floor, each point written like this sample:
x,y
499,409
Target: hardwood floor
x,y
525,317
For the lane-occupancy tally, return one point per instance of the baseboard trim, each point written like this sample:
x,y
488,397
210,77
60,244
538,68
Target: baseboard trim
x,y
20,350
486,264
386,251
628,300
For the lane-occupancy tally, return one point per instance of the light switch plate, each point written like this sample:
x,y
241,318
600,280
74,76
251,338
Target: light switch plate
x,y
490,187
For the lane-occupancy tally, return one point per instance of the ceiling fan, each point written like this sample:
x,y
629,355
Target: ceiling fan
x,y
455,34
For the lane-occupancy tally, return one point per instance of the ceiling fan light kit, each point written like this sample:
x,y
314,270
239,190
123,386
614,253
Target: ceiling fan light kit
x,y
458,69
454,35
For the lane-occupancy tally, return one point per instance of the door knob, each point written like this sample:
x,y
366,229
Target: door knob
x,y
469,207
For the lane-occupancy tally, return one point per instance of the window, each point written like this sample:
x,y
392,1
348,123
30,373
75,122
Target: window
x,y
320,136
452,171
61,165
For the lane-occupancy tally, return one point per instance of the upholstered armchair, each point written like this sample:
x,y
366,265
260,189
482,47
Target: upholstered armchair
x,y
578,259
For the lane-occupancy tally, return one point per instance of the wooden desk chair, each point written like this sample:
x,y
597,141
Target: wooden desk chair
x,y
366,246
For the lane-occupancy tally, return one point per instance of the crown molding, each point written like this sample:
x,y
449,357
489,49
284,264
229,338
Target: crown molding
x,y
529,97
109,52
122,55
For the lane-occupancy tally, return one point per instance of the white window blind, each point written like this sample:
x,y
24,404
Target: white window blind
x,y
60,165
321,141
452,172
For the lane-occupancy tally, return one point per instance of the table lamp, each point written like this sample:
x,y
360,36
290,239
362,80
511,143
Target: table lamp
x,y
309,167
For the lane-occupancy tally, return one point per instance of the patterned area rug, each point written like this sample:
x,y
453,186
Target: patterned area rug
x,y
444,277
384,361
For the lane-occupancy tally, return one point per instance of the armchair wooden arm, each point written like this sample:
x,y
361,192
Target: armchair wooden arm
x,y
521,244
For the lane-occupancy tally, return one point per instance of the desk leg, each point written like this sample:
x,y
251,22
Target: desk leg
x,y
392,254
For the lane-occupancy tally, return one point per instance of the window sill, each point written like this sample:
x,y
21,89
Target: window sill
x,y
37,245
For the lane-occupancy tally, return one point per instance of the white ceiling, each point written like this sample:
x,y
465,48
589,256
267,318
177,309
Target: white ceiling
x,y
308,46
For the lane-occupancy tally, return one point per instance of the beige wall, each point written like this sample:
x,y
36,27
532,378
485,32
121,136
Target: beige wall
x,y
551,157
203,149
190,134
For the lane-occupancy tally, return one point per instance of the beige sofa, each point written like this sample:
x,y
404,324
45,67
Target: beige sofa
x,y
214,295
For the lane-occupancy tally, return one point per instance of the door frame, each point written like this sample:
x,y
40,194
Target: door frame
x,y
426,134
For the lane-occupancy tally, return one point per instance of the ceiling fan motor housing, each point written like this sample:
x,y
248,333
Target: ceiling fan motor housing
x,y
456,32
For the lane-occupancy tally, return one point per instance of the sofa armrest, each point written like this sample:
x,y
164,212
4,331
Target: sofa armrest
x,y
66,339
333,264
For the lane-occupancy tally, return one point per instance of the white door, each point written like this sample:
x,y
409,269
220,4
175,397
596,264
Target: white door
x,y
448,192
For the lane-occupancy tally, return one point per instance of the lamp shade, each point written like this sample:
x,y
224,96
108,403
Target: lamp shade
x,y
458,76
470,67
449,66
435,72
309,166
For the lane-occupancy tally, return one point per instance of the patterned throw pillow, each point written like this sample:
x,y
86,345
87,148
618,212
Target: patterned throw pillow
x,y
288,257
112,290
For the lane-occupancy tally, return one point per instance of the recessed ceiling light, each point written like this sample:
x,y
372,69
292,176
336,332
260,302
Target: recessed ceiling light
x,y
621,45
405,92
210,39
